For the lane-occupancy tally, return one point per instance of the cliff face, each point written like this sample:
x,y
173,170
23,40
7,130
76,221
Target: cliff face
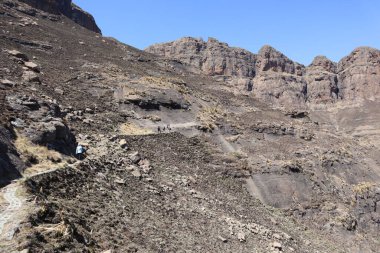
x,y
359,74
275,78
211,57
322,80
67,8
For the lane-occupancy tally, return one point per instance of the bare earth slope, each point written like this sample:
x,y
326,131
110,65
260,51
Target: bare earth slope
x,y
229,170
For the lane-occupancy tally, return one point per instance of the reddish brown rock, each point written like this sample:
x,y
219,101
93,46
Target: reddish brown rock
x,y
273,77
322,81
269,59
359,74
211,57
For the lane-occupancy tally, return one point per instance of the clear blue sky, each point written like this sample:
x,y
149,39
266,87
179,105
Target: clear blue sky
x,y
301,29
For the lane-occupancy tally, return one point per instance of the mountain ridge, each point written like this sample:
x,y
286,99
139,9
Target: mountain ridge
x,y
180,157
252,71
68,9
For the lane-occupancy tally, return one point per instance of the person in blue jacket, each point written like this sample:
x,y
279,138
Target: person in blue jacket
x,y
80,150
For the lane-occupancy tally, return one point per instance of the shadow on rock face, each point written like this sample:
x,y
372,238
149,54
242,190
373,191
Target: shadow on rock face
x,y
43,124
11,165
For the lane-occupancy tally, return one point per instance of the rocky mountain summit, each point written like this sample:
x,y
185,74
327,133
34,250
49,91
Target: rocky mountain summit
x,y
271,76
198,147
66,8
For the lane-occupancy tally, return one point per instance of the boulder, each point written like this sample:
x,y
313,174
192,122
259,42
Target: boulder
x,y
136,173
30,76
89,110
7,83
119,181
123,144
134,157
241,237
31,65
53,133
222,239
18,123
59,91
276,245
19,55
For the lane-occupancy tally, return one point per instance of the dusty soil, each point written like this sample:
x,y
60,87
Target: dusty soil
x,y
313,178
189,201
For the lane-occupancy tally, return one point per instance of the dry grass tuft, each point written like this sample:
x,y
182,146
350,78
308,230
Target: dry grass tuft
x,y
363,187
209,115
153,118
37,158
60,229
167,83
132,129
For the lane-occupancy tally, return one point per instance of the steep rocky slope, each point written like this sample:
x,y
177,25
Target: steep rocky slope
x,y
271,76
225,172
65,7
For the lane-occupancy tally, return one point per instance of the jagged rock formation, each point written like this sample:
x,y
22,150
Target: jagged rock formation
x,y
212,57
322,80
177,159
67,8
359,74
273,77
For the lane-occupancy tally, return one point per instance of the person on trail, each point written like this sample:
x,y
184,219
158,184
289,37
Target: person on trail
x,y
80,152
168,127
164,129
159,129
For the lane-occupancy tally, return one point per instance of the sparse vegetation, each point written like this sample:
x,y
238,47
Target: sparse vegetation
x,y
166,83
363,187
132,129
208,117
37,158
153,118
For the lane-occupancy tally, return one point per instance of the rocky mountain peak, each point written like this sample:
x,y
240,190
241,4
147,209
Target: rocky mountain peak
x,y
68,9
272,76
360,55
214,42
271,59
268,51
213,58
322,63
359,74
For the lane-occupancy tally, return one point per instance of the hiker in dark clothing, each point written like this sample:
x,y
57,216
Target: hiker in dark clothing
x,y
159,129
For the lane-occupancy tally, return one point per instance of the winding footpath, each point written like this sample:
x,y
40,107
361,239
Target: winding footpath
x,y
8,218
16,209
